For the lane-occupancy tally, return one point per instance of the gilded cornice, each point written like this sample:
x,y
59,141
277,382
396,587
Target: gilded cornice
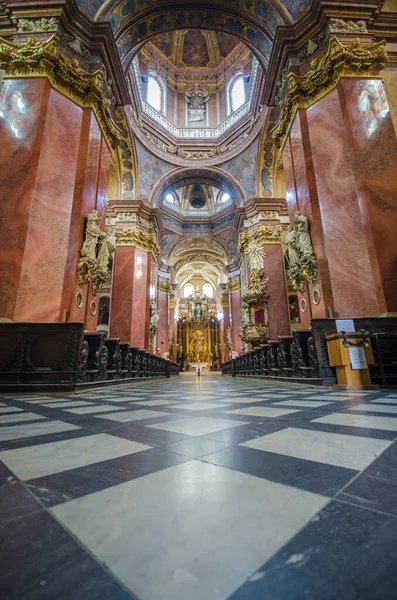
x,y
45,59
353,60
225,301
262,235
133,236
173,303
163,286
234,286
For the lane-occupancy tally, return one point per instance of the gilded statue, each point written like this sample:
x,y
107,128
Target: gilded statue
x,y
302,234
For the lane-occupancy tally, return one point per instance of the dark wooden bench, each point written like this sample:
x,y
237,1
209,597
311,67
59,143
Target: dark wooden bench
x,y
97,359
272,360
115,361
126,360
284,355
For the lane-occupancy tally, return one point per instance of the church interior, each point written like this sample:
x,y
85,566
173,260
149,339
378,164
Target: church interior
x,y
198,299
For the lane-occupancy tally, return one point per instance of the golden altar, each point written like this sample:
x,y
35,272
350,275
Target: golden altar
x,y
198,333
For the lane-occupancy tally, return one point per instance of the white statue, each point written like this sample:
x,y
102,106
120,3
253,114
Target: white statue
x,y
303,241
170,338
234,354
229,337
292,250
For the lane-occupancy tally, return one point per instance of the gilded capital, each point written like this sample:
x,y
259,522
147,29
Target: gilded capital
x,y
34,58
133,236
163,286
234,285
353,60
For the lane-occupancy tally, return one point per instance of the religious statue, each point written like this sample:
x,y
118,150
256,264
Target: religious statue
x,y
88,250
170,338
303,240
302,265
154,318
196,103
229,337
100,272
291,243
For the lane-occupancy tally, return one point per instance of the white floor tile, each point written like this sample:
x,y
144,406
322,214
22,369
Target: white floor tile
x,y
366,421
17,418
154,402
375,408
385,400
201,405
196,426
134,415
212,528
46,459
17,432
347,451
304,403
10,409
260,411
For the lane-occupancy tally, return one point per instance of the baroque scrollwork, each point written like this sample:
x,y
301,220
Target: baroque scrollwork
x,y
341,26
355,59
44,24
133,236
35,58
164,287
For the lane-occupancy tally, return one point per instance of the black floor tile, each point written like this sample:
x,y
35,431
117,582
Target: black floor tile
x,y
16,501
376,487
6,476
62,487
296,472
40,561
345,553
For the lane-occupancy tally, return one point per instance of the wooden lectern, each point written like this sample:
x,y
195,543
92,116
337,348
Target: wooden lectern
x,y
351,353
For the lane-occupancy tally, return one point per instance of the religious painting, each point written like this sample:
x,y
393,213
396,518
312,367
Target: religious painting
x,y
294,309
195,51
226,43
164,43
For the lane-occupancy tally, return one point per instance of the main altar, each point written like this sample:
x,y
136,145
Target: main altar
x,y
198,334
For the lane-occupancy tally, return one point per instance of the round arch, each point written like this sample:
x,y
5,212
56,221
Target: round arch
x,y
208,176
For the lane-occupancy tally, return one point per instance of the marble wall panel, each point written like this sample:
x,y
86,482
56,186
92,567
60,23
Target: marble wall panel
x,y
41,281
23,106
85,195
353,286
103,177
140,309
277,303
372,139
123,285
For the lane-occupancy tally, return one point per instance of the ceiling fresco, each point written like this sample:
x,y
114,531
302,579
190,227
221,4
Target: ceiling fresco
x,y
115,10
194,48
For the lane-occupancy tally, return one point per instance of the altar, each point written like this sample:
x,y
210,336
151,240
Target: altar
x,y
198,335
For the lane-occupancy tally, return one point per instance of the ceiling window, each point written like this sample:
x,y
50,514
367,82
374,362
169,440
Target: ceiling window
x,y
170,198
207,290
225,197
236,93
155,93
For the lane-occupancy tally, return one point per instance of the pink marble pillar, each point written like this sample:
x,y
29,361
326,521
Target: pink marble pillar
x,y
343,153
235,317
130,311
49,157
277,303
163,324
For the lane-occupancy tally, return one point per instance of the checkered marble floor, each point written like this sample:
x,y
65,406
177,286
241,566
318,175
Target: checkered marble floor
x,y
204,488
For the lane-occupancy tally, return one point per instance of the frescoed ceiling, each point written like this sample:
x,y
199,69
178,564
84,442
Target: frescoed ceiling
x,y
195,48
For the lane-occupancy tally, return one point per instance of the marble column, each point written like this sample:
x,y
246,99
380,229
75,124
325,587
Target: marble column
x,y
226,354
235,317
50,154
172,303
341,173
164,322
130,310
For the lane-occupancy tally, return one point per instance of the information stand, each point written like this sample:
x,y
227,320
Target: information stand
x,y
351,353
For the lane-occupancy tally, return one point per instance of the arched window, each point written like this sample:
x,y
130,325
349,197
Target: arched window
x,y
236,96
225,197
207,290
188,290
155,93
